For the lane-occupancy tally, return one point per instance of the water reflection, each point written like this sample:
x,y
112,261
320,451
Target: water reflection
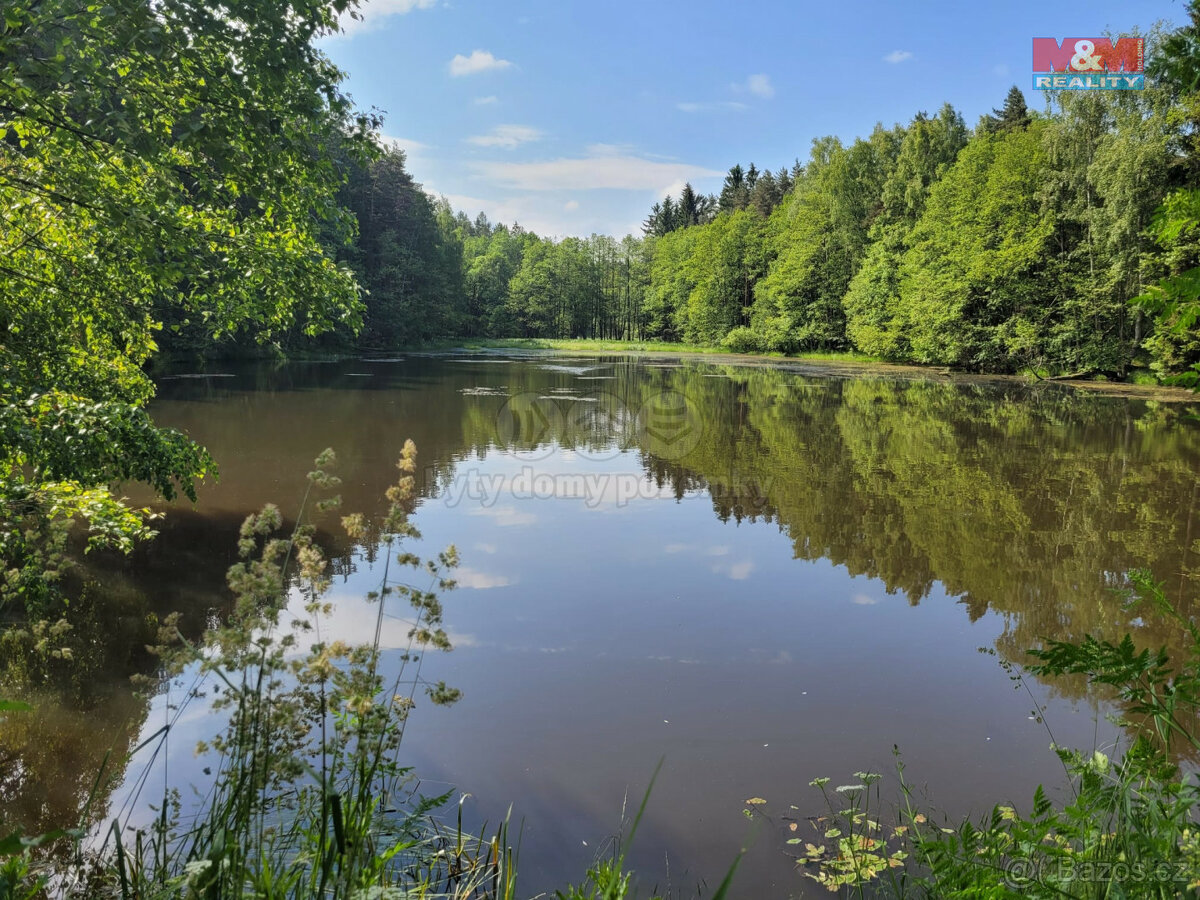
x,y
763,574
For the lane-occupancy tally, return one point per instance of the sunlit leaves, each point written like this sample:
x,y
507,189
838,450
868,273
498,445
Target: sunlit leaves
x,y
1174,301
168,163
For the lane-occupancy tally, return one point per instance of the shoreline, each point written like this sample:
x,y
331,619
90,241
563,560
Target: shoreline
x,y
847,365
837,365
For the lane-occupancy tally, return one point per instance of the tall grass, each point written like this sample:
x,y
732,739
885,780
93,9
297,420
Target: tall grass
x,y
609,879
308,797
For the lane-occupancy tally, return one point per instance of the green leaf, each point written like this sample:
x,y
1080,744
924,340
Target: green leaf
x,y
11,845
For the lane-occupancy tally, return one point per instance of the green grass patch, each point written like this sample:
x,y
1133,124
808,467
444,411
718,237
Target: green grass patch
x,y
586,344
609,346
1143,377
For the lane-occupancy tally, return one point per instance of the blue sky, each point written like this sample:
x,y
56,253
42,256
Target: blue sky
x,y
573,117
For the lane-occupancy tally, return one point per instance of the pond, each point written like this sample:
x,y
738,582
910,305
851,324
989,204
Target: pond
x,y
760,575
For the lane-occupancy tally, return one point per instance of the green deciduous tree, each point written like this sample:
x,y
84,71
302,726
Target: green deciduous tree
x,y
818,237
725,263
159,162
1174,302
972,290
1110,158
671,283
929,147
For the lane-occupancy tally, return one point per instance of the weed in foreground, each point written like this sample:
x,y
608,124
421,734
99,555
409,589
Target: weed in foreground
x,y
309,798
1130,828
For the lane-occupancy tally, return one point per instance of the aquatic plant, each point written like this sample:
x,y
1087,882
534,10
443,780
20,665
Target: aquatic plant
x,y
1129,829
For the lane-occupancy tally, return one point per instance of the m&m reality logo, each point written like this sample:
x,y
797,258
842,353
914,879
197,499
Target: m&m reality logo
x,y
1089,64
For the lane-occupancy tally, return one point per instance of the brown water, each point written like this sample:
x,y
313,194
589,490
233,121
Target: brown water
x,y
761,575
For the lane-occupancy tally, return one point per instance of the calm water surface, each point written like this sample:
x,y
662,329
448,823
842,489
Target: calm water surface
x,y
761,575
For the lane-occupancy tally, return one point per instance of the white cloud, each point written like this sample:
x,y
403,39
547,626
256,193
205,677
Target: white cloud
x,y
863,600
758,85
737,571
481,581
375,11
717,106
720,562
486,548
609,149
898,56
410,147
741,571
478,61
505,515
350,617
487,101
625,172
620,184
506,136
672,190
571,205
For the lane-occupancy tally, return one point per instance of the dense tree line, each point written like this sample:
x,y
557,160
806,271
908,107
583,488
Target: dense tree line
x,y
1015,245
430,272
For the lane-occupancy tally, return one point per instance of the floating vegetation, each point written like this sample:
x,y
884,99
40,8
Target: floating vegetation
x,y
199,375
569,370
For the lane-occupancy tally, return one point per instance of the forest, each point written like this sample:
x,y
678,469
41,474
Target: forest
x,y
144,218
184,179
1040,241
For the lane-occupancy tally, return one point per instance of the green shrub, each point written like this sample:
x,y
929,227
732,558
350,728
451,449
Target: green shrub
x,y
742,340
